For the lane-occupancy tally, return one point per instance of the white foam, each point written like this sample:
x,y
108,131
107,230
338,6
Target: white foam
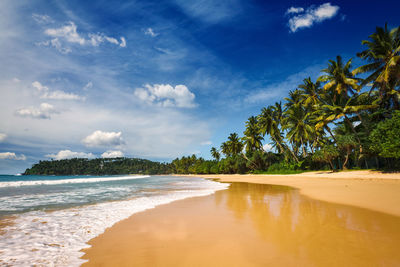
x,y
70,181
56,238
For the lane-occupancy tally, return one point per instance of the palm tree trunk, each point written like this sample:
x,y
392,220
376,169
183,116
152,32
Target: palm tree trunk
x,y
304,149
330,132
346,159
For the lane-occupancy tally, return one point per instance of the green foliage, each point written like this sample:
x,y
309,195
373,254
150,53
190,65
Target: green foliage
x,y
385,139
79,166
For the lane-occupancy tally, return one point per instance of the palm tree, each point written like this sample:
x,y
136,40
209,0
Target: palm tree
x,y
299,131
339,78
310,92
215,153
252,136
383,55
270,123
225,149
234,144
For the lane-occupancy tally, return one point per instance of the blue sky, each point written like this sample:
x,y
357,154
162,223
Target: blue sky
x,y
159,79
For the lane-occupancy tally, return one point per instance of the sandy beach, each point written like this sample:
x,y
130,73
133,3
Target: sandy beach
x,y
365,189
274,220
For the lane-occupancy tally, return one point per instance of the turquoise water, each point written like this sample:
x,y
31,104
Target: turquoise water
x,y
51,218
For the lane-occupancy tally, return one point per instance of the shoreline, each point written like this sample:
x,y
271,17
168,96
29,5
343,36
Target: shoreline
x,y
371,190
247,220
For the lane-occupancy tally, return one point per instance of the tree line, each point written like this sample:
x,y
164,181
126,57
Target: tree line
x,y
338,121
81,166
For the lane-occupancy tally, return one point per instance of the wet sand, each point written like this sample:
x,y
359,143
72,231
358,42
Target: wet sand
x,y
250,225
365,189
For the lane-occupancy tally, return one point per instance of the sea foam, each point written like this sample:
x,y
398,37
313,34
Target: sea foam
x,y
57,238
70,181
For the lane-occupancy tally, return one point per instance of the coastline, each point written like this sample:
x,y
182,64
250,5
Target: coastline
x,y
258,224
371,190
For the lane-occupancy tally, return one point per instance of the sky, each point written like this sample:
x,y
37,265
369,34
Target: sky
x,y
159,79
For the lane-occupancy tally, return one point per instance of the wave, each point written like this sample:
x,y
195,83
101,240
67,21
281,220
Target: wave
x,y
57,238
70,181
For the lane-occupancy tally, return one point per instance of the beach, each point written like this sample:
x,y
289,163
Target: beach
x,y
274,220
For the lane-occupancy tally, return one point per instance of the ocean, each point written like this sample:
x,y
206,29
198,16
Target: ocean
x,y
47,220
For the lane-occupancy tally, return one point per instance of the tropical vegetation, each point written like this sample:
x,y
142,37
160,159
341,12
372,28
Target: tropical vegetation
x,y
346,118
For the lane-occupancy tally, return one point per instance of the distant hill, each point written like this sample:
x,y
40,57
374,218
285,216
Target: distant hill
x,y
100,166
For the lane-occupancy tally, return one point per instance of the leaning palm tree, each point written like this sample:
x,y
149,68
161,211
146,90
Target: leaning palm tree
x,y
339,78
215,153
383,55
252,136
270,122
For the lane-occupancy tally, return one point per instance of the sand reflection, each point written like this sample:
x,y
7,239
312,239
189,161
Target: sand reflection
x,y
321,233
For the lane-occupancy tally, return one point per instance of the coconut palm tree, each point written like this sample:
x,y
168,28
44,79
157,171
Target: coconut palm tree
x,y
252,136
215,153
383,55
310,92
225,149
299,129
339,78
234,144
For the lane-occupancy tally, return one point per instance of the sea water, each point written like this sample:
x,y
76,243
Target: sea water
x,y
47,220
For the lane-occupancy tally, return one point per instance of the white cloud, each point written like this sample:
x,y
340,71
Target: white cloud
x,y
61,95
166,95
268,148
70,34
68,154
16,80
311,15
100,138
150,31
294,10
112,154
206,143
123,42
42,19
44,111
3,137
57,94
11,155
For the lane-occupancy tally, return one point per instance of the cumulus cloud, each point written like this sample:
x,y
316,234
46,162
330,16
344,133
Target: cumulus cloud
x,y
150,31
3,137
112,154
57,94
69,34
12,156
44,111
166,95
307,18
100,138
68,154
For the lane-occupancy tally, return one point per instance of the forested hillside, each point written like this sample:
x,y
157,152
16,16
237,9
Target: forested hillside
x,y
98,167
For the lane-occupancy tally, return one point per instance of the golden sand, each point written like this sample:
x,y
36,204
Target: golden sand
x,y
251,225
366,189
